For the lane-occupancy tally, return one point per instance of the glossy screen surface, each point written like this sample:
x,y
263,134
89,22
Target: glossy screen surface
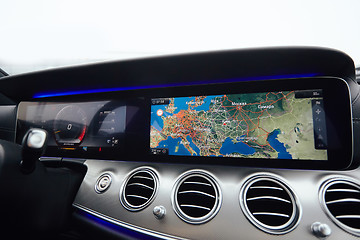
x,y
276,125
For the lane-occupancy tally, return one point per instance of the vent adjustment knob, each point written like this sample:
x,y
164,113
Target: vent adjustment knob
x,y
321,230
159,212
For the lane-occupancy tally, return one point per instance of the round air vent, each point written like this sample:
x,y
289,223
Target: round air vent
x,y
139,189
269,204
196,197
341,200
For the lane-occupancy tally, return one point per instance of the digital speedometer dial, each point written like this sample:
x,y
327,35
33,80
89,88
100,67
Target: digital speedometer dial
x,y
70,126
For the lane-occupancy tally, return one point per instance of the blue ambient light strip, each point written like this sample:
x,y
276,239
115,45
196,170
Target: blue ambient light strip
x,y
115,89
128,233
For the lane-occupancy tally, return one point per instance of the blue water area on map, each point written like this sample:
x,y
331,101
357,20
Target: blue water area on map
x,y
180,103
229,147
278,146
172,143
206,105
156,120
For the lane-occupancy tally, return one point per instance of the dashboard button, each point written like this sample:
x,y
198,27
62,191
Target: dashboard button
x,y
103,183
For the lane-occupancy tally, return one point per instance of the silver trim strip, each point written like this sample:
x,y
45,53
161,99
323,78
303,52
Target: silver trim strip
x,y
137,196
197,192
128,225
347,216
268,197
271,214
343,200
200,183
267,187
142,177
194,206
141,185
343,190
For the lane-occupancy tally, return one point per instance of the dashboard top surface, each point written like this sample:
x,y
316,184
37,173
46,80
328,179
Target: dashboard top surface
x,y
179,70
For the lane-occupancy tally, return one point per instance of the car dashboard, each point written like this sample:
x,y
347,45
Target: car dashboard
x,y
242,144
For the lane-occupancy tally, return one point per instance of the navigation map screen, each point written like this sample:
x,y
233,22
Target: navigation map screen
x,y
269,125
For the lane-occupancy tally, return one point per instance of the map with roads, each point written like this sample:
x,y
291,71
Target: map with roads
x,y
250,125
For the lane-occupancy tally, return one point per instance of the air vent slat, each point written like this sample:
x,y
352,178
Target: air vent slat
x,y
347,216
341,198
197,192
344,200
142,177
139,189
137,196
140,185
268,198
343,190
269,204
267,187
271,214
196,197
200,183
195,206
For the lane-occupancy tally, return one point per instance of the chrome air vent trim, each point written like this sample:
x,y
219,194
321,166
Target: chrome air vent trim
x,y
196,197
269,203
139,189
340,199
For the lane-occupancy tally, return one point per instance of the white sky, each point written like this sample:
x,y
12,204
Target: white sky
x,y
40,34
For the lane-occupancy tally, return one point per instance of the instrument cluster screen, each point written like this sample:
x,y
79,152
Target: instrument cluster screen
x,y
75,129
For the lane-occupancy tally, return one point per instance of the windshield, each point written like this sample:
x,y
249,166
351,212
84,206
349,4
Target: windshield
x,y
41,34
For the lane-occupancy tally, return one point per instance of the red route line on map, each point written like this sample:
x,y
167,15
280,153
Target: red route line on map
x,y
185,119
256,126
